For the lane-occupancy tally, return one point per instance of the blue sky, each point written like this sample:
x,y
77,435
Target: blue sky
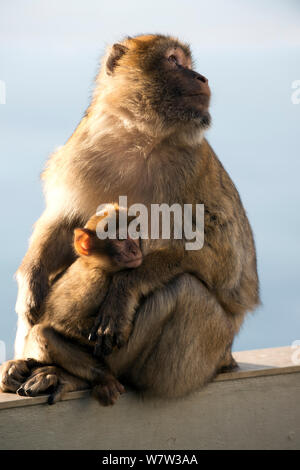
x,y
249,50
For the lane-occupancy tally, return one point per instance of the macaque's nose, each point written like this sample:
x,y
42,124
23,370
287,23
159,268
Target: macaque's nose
x,y
200,77
202,83
133,247
197,76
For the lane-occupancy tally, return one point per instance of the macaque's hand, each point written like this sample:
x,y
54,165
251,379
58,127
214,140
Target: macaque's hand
x,y
113,324
110,330
14,373
33,288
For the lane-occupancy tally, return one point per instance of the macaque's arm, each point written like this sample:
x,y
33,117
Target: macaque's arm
x,y
114,322
50,250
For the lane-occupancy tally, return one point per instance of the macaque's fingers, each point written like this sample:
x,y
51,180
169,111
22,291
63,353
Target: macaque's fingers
x,y
94,332
92,335
104,326
104,339
111,335
104,344
100,325
120,387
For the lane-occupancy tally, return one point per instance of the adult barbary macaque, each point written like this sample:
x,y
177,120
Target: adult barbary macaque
x,y
143,137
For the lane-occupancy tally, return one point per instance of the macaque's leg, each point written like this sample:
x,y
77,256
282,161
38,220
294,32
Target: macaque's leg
x,y
50,250
186,336
50,347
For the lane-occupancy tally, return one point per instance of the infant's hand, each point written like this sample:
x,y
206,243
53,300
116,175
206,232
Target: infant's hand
x,y
111,330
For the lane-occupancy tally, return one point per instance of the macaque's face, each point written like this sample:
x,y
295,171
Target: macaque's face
x,y
125,253
153,76
109,254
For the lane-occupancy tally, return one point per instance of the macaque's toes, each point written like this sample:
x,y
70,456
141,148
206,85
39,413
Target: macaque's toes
x,y
121,388
101,393
21,392
234,364
231,366
30,392
107,395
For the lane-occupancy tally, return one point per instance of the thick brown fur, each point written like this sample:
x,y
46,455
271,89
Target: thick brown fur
x,y
143,137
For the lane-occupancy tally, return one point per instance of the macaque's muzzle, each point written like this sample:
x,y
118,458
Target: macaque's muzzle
x,y
128,254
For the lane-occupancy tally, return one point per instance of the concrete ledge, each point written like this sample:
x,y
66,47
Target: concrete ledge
x,y
255,407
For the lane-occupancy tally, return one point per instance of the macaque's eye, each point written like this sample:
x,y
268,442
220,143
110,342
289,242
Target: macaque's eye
x,y
173,59
177,58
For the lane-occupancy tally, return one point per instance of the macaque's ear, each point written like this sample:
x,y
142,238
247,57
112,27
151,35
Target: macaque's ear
x,y
117,51
83,241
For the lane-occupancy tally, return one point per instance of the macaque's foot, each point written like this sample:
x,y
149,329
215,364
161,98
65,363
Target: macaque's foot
x,y
228,366
42,380
50,380
14,373
107,394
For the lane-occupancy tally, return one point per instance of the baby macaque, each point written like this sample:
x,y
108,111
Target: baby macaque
x,y
61,337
